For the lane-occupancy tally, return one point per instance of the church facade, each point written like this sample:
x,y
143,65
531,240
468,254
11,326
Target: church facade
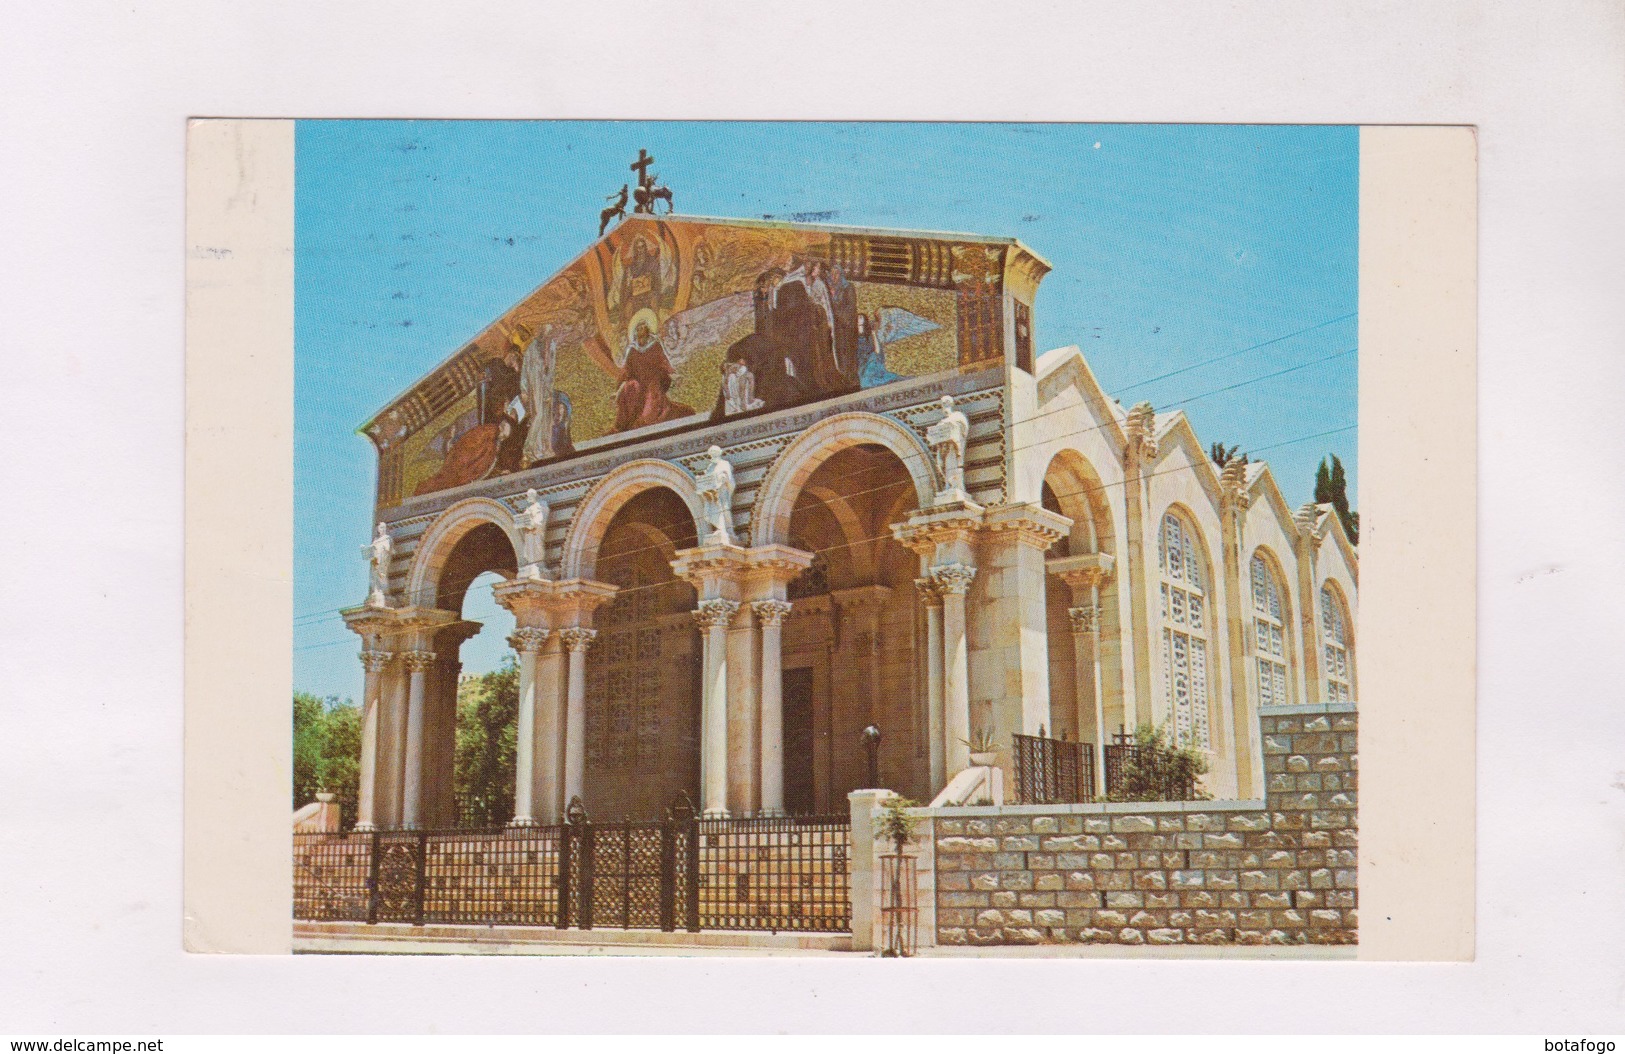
x,y
755,487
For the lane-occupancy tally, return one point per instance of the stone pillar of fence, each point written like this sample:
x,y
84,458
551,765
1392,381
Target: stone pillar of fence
x,y
865,856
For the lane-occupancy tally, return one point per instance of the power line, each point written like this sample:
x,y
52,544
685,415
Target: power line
x,y
852,543
315,617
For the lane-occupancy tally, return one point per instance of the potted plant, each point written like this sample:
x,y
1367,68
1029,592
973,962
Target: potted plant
x,y
984,749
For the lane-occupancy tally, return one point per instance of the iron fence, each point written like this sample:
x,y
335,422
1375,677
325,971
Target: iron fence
x,y
1053,771
775,873
1139,772
681,872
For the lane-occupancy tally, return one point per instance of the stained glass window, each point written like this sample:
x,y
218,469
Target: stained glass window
x,y
1269,634
1184,632
1334,623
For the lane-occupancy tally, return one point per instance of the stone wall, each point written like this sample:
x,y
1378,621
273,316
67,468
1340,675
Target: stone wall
x,y
1277,871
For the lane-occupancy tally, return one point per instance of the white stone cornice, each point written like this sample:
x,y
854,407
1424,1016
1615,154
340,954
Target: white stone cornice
x,y
1029,524
923,531
1086,569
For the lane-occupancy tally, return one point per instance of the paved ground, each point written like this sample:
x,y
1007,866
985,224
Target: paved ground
x,y
389,939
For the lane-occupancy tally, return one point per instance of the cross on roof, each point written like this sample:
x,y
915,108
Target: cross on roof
x,y
641,166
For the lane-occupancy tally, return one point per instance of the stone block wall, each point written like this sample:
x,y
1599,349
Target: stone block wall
x,y
1277,871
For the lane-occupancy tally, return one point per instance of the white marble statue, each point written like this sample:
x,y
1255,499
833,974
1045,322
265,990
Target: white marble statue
x,y
717,492
947,438
532,520
378,554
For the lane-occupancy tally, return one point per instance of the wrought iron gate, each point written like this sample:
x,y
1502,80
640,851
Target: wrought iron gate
x,y
681,872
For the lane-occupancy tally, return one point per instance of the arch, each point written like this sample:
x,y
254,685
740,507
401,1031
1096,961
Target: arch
x,y
1082,498
436,544
1270,615
776,499
604,500
850,526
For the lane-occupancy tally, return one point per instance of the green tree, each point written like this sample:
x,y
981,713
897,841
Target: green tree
x,y
1160,771
326,751
487,718
1331,488
341,756
308,743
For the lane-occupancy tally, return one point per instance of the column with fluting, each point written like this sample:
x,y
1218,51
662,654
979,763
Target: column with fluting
x,y
417,664
713,616
526,641
953,580
576,640
770,614
374,662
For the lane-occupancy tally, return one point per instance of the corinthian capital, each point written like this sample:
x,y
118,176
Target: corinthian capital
x,y
771,612
713,613
418,661
577,638
527,639
1084,619
953,578
375,661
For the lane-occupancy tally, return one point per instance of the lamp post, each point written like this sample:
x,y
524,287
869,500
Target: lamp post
x,y
871,743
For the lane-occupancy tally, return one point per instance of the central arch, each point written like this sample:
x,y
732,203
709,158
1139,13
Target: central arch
x,y
617,487
776,500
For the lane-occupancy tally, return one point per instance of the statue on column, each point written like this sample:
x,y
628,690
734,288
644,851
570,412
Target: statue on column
x,y
378,554
532,521
948,438
717,493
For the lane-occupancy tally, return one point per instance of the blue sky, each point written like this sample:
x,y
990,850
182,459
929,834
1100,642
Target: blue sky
x,y
1172,245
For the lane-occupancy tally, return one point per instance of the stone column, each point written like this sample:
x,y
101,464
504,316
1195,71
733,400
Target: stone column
x,y
1242,725
527,642
417,663
1306,519
713,616
771,615
576,640
953,581
932,600
1091,706
1139,455
744,717
374,662
550,732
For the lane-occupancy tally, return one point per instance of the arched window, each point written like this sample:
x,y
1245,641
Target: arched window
x,y
1269,634
1334,626
1184,631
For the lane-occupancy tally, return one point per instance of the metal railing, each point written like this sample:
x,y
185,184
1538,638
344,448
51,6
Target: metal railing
x,y
1135,772
1053,771
681,872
